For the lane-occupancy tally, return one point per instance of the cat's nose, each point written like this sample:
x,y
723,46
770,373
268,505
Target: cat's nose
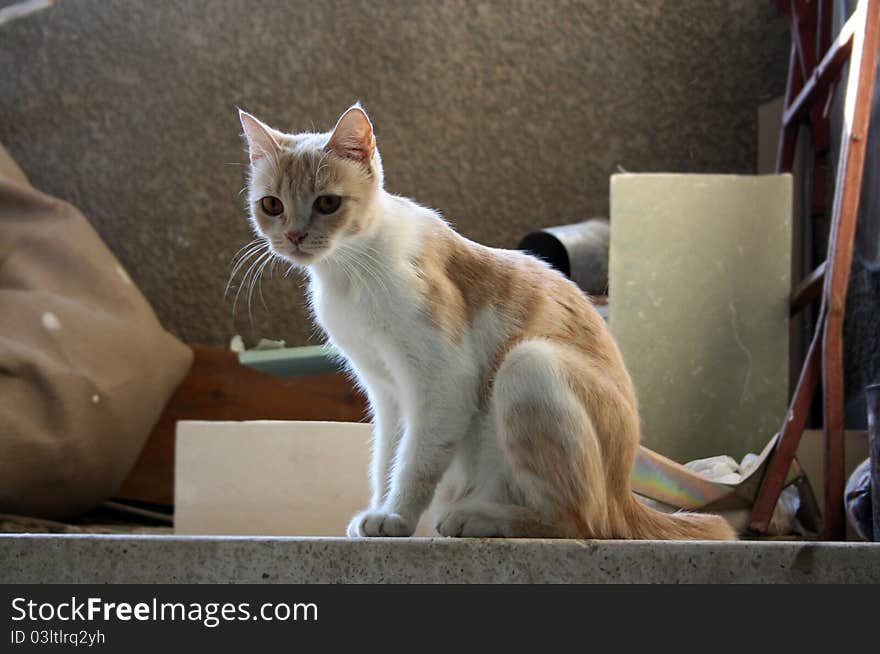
x,y
297,237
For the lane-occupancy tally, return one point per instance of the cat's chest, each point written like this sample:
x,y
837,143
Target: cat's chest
x,y
358,314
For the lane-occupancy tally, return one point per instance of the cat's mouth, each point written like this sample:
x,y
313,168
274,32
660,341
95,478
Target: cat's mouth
x,y
298,252
300,255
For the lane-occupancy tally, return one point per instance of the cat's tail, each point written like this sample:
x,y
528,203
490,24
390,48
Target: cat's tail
x,y
646,523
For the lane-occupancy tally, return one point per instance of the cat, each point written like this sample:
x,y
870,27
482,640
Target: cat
x,y
498,395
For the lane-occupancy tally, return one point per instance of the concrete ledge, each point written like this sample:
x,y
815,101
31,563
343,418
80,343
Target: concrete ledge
x,y
198,559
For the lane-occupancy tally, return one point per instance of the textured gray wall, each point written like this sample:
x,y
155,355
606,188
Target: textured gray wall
x,y
505,115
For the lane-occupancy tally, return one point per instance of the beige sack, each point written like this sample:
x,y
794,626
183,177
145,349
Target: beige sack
x,y
85,366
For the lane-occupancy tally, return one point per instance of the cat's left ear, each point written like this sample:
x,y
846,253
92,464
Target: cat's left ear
x,y
261,141
353,136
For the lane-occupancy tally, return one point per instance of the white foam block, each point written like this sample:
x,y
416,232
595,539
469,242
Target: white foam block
x,y
271,478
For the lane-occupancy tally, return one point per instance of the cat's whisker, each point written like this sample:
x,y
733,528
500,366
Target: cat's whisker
x,y
346,271
231,279
352,263
244,280
244,259
352,274
366,267
274,267
366,262
369,257
255,279
241,257
366,251
343,261
244,247
260,279
250,286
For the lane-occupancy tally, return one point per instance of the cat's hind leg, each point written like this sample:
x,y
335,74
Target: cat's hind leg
x,y
548,439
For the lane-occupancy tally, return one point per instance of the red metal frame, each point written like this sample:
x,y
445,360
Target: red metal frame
x,y
808,93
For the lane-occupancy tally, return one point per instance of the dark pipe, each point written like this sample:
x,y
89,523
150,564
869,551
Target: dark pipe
x,y
578,251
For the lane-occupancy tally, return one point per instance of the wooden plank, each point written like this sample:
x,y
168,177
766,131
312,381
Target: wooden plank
x,y
835,423
808,291
788,133
857,116
825,15
219,387
803,35
827,70
792,429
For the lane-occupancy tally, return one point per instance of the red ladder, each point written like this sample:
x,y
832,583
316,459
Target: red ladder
x,y
809,91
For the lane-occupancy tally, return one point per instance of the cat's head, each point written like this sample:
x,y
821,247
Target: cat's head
x,y
309,194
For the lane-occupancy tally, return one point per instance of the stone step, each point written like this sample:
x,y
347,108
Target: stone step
x,y
206,559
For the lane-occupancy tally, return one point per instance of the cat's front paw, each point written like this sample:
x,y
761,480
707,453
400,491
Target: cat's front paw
x,y
379,523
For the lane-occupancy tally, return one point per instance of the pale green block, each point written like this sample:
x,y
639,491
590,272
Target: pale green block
x,y
699,280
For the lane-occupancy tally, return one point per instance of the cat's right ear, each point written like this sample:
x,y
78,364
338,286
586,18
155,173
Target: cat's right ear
x,y
261,141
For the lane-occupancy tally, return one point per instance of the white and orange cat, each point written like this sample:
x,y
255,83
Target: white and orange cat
x,y
498,395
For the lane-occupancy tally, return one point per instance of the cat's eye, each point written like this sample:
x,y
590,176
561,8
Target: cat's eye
x,y
327,204
272,205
